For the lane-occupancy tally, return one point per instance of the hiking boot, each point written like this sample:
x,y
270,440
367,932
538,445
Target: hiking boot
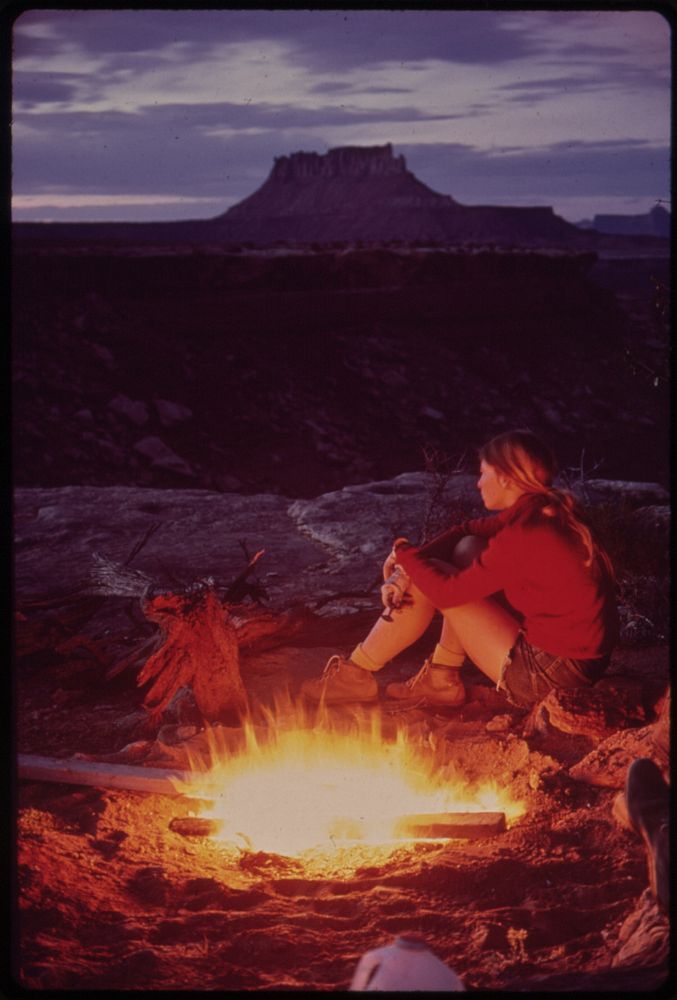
x,y
341,681
647,800
432,685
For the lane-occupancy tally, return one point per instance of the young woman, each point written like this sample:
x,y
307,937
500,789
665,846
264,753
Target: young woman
x,y
527,594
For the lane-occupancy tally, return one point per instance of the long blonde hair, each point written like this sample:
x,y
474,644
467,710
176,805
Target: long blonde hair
x,y
530,464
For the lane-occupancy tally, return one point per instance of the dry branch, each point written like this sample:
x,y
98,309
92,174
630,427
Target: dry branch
x,y
200,651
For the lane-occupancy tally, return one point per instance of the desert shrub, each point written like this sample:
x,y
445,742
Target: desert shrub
x,y
641,561
632,550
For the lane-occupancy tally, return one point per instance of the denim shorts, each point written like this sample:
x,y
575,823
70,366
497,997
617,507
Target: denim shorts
x,y
528,673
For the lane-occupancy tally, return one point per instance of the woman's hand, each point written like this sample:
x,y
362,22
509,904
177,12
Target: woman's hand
x,y
389,564
394,590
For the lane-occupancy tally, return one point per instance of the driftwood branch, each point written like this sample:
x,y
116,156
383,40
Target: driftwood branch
x,y
200,651
153,780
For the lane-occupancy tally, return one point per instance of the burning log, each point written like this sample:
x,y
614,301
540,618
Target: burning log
x,y
194,826
468,825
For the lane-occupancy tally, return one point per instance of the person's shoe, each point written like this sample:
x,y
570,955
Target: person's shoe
x,y
341,681
432,685
647,799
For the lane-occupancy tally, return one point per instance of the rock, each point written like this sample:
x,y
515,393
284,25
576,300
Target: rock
x,y
312,546
607,765
637,494
431,413
172,733
131,409
499,724
161,456
661,730
150,885
226,483
306,198
653,521
343,520
644,937
171,413
102,353
594,711
490,937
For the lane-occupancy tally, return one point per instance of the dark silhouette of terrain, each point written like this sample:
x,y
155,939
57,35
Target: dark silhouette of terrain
x,y
302,372
327,330
657,222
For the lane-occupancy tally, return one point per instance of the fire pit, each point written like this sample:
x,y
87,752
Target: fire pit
x,y
304,785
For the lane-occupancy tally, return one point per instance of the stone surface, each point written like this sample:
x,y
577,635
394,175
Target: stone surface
x,y
644,937
594,711
313,548
607,765
638,494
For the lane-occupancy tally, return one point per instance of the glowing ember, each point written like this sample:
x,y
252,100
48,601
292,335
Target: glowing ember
x,y
294,787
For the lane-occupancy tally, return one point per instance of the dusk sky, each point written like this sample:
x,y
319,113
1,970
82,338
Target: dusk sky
x,y
169,114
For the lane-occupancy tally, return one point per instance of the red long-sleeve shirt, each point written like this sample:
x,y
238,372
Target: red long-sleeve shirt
x,y
568,609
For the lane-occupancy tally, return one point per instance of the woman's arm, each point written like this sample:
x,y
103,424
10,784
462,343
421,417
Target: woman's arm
x,y
483,527
447,587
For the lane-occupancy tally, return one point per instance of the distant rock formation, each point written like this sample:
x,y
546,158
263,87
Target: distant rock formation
x,y
653,223
350,195
366,193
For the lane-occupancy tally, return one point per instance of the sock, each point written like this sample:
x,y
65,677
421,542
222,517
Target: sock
x,y
360,659
447,658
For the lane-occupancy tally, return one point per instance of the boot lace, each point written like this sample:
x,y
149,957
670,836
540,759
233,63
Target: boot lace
x,y
423,672
332,667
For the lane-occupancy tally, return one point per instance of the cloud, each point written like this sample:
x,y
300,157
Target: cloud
x,y
495,103
565,168
172,148
31,89
330,39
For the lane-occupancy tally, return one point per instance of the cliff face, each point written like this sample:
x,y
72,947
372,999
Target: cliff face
x,y
366,193
653,223
346,161
347,194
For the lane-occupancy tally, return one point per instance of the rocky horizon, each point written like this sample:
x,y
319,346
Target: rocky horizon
x,y
350,193
364,192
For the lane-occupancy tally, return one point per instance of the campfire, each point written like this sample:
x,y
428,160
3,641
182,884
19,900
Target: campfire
x,y
305,785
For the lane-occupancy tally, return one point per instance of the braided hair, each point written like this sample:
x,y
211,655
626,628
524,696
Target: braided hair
x,y
530,464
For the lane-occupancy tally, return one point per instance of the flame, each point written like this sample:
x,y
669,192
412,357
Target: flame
x,y
304,783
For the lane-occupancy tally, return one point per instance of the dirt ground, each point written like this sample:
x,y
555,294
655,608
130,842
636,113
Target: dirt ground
x,y
108,897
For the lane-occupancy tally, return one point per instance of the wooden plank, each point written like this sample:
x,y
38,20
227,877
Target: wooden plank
x,y
71,771
468,825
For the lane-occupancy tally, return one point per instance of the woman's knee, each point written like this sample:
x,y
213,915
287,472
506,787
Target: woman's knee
x,y
468,549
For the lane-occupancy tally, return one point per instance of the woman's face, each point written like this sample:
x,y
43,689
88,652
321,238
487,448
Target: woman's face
x,y
498,491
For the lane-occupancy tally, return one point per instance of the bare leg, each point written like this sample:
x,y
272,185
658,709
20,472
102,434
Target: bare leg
x,y
388,638
484,629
